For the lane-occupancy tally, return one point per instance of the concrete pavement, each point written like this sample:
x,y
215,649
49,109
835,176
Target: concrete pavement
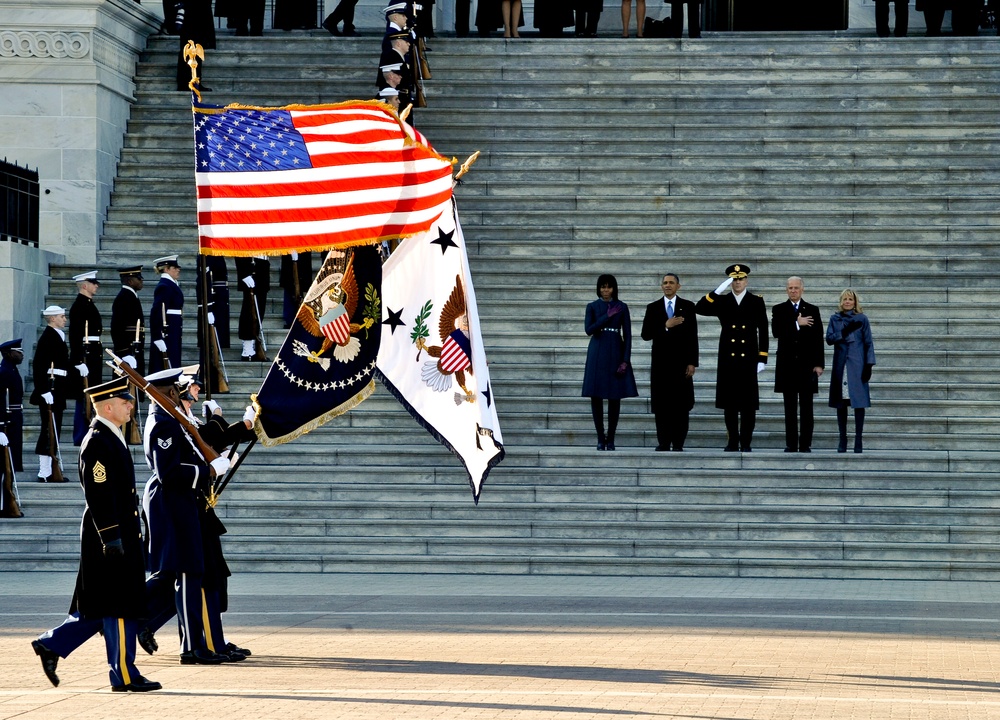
x,y
482,646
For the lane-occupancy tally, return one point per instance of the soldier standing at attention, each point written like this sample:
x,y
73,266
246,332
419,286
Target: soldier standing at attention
x,y
255,282
742,354
85,352
110,587
128,322
11,399
50,370
165,317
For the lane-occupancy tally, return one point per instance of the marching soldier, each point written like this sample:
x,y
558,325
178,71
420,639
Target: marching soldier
x,y
128,322
742,353
166,316
50,371
110,589
173,496
85,352
255,282
11,399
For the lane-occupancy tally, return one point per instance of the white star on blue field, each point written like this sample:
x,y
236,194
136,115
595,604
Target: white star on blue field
x,y
249,140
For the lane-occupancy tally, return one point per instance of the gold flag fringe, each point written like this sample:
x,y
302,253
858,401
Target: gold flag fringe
x,y
268,441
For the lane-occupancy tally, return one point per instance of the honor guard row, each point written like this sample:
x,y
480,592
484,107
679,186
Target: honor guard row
x,y
11,427
398,78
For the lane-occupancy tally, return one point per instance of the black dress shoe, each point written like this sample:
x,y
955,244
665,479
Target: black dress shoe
x,y
730,448
349,32
202,657
44,479
610,445
331,27
233,656
745,449
140,684
805,449
678,449
147,641
789,449
661,448
233,647
601,446
50,659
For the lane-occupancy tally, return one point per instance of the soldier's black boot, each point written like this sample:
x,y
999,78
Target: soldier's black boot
x,y
859,427
842,426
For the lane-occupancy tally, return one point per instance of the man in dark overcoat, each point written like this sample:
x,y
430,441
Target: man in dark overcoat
x,y
798,328
672,325
11,401
128,322
50,371
166,319
255,282
173,496
86,354
110,584
742,354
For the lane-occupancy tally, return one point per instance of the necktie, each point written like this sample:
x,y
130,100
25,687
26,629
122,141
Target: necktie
x,y
670,309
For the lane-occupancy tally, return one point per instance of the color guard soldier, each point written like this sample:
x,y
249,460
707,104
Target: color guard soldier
x,y
11,399
390,96
110,589
50,371
255,282
85,352
295,264
218,298
166,318
173,496
128,322
742,353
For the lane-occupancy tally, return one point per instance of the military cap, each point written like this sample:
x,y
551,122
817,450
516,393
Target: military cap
x,y
53,310
90,275
738,272
402,8
11,346
134,271
165,378
117,388
396,67
166,261
386,93
399,35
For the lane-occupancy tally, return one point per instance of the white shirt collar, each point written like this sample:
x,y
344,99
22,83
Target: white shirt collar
x,y
739,298
62,333
129,287
164,275
667,301
114,428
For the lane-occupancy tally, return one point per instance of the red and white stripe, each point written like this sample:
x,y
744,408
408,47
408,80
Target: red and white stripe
x,y
453,358
338,330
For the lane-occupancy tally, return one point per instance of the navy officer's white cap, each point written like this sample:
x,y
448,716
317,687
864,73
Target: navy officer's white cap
x,y
53,310
165,377
392,67
89,275
166,261
396,7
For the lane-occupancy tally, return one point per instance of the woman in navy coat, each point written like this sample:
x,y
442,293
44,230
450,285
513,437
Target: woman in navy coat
x,y
608,373
853,359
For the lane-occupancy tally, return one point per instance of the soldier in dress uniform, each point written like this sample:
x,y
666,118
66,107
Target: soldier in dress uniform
x,y
172,499
128,322
166,316
110,588
11,399
50,372
86,354
218,298
299,264
255,282
742,353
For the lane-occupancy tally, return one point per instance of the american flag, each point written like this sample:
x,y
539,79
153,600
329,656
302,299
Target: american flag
x,y
273,180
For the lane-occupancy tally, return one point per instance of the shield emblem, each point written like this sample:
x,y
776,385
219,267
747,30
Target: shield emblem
x,y
336,325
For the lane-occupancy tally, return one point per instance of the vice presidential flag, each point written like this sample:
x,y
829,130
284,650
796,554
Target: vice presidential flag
x,y
311,177
326,364
432,356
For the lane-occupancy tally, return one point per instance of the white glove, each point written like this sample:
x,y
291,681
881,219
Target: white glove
x,y
722,287
211,318
131,361
49,400
220,465
3,440
760,367
209,407
295,255
250,414
248,281
160,345
83,369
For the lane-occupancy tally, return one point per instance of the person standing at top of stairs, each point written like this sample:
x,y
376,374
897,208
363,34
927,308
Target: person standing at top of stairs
x,y
882,17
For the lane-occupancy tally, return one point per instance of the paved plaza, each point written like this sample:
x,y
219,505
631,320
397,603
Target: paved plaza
x,y
481,646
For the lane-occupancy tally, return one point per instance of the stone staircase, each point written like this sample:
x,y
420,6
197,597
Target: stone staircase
x,y
849,161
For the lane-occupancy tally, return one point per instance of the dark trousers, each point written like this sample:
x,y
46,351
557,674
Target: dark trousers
x,y
15,436
798,402
672,428
80,424
586,21
119,641
190,616
160,602
694,18
462,10
249,20
882,17
739,426
933,17
344,12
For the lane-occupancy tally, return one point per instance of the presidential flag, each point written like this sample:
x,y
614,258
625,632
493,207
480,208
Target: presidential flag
x,y
312,177
432,356
326,364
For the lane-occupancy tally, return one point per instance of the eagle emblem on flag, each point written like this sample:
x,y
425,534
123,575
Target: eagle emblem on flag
x,y
453,357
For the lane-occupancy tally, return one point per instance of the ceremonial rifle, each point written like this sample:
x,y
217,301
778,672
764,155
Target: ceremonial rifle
x,y
296,285
55,452
135,433
8,480
260,326
220,486
164,402
86,381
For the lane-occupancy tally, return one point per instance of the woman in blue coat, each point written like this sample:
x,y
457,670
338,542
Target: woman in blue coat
x,y
853,359
608,373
